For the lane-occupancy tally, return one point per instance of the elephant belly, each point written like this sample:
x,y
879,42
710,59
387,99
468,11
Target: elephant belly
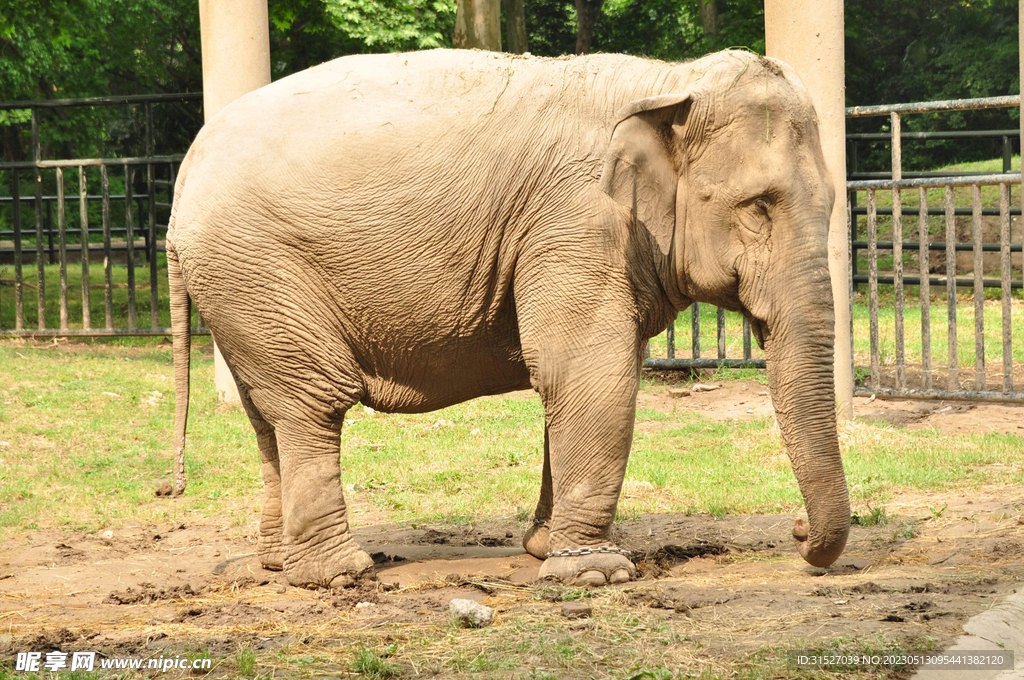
x,y
436,375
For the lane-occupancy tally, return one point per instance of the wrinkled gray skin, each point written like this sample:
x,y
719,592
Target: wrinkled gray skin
x,y
414,230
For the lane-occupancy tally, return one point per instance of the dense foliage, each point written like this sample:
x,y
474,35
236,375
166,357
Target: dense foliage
x,y
897,50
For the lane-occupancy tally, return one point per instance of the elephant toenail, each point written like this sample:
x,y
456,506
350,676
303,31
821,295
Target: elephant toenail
x,y
620,576
343,581
591,577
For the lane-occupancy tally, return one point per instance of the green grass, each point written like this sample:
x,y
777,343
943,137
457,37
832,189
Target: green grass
x,y
370,664
873,517
245,660
120,302
85,439
939,326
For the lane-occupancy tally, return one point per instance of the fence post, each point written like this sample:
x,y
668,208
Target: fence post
x,y
40,270
235,36
897,249
808,34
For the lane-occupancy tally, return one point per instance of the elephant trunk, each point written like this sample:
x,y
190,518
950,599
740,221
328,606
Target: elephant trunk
x,y
799,346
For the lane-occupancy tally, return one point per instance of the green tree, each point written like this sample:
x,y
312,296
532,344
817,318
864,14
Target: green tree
x,y
395,25
940,49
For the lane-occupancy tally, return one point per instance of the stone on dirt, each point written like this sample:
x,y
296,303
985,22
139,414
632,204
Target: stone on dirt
x,y
678,392
469,614
576,610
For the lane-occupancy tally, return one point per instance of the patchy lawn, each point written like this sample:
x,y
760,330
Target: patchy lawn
x,y
441,499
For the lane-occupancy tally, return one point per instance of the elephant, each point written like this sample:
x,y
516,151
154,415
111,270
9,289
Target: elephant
x,y
414,230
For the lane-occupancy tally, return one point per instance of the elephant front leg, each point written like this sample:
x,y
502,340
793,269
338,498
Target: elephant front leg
x,y
318,547
535,540
589,396
589,447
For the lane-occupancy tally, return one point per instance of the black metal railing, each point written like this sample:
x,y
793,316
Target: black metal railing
x,y
37,231
893,376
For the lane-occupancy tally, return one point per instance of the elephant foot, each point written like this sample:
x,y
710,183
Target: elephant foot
x,y
268,545
271,554
338,567
536,538
594,567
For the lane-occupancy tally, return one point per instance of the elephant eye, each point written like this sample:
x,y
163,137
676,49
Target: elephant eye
x,y
762,205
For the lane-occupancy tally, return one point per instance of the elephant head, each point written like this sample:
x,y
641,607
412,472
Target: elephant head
x,y
729,181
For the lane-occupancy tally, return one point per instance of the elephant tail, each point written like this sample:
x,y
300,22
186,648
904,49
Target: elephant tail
x,y
181,322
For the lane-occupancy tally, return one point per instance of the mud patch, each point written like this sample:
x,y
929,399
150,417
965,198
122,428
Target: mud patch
x,y
734,585
148,593
682,598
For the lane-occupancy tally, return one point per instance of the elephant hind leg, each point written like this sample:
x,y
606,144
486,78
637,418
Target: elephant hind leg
x,y
268,546
318,547
536,538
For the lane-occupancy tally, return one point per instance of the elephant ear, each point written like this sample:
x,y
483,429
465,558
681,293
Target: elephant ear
x,y
639,170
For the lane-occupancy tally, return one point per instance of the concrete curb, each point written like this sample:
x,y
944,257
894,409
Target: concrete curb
x,y
999,628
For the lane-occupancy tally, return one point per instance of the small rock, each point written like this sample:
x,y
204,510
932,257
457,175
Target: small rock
x,y
678,392
469,614
108,534
702,387
164,490
363,605
282,590
575,609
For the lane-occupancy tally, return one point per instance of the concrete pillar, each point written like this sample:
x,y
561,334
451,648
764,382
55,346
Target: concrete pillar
x,y
808,35
236,59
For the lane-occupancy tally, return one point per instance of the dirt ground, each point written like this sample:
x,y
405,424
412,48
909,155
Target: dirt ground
x,y
733,585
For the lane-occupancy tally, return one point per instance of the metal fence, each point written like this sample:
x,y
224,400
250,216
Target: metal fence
x,y
39,231
899,375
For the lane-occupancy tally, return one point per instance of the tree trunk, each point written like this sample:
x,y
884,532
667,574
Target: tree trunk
x,y
515,26
709,16
478,25
587,12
